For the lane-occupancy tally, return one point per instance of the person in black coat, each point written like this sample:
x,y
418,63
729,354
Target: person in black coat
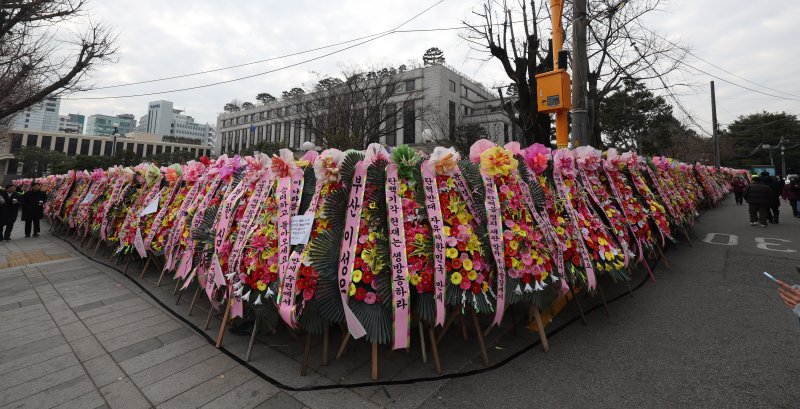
x,y
10,211
759,199
33,209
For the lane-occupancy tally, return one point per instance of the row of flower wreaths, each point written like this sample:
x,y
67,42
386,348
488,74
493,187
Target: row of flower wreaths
x,y
372,239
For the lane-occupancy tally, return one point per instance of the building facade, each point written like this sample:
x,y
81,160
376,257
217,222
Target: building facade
x,y
99,124
71,123
163,119
143,144
446,98
42,116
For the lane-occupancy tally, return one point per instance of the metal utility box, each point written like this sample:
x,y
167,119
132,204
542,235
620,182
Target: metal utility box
x,y
553,91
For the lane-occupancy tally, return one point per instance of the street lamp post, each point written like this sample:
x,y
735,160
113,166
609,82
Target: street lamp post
x,y
114,136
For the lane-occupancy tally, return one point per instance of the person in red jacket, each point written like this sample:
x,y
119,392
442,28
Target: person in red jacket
x,y
791,192
738,189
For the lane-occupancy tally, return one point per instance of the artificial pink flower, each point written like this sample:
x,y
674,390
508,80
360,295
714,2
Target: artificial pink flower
x,y
478,148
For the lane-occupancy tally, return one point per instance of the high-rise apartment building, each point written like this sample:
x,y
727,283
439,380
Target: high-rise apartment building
x,y
42,116
164,120
99,124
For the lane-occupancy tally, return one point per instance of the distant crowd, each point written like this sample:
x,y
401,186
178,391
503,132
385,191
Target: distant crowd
x,y
30,200
764,197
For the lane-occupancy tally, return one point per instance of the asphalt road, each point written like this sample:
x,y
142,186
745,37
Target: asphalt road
x,y
710,332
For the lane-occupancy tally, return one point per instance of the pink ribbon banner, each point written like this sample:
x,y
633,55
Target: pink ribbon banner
x,y
284,224
156,224
397,257
245,228
433,207
466,193
347,255
495,226
591,280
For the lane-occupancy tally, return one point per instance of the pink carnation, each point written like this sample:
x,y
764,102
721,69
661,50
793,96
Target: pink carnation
x,y
536,157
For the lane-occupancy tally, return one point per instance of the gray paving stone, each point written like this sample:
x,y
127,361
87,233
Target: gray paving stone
x,y
82,298
91,400
284,401
59,394
159,355
103,370
124,394
113,307
188,378
86,307
122,341
74,331
343,398
176,335
167,368
210,390
137,349
33,328
38,318
32,348
249,395
129,319
41,384
14,364
22,311
87,348
30,372
109,315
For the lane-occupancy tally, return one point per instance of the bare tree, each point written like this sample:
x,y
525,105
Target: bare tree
x,y
35,62
620,47
360,108
509,34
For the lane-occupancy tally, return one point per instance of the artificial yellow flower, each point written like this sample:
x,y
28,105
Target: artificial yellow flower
x,y
513,244
463,217
456,278
467,265
273,268
560,230
601,241
452,253
447,231
497,161
264,255
609,255
414,279
472,275
368,255
261,285
560,220
356,276
352,291
451,184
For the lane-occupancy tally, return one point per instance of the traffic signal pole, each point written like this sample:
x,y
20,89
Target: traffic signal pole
x,y
553,88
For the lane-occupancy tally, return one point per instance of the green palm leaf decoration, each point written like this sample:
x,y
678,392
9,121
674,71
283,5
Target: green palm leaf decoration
x,y
309,185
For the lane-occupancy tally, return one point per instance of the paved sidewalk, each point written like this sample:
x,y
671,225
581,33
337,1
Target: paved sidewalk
x,y
74,334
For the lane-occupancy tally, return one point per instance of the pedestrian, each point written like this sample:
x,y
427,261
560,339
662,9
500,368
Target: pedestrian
x,y
33,209
775,199
10,211
759,199
738,189
791,192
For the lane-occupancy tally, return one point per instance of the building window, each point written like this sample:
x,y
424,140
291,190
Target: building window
x,y
72,146
84,146
158,149
96,148
149,151
277,134
16,142
390,126
452,86
451,117
107,148
168,149
59,144
410,85
140,149
46,142
296,134
32,139
120,148
287,132
409,124
464,92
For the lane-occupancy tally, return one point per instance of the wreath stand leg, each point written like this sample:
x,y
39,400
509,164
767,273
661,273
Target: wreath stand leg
x,y
603,299
252,341
144,270
161,277
194,300
343,345
224,324
464,328
210,312
99,242
577,303
661,251
423,348
306,353
686,234
374,361
326,334
453,315
479,335
434,349
542,334
127,265
628,285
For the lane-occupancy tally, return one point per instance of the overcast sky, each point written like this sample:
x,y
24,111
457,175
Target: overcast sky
x,y
165,38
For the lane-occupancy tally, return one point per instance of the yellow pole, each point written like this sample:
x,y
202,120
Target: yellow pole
x,y
562,127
